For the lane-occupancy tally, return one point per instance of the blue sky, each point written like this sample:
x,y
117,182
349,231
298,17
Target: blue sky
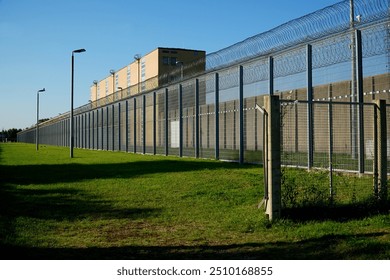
x,y
37,38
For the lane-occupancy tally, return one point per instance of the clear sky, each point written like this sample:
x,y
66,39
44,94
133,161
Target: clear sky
x,y
38,36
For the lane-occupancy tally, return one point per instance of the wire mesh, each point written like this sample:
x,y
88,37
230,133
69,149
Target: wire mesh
x,y
160,122
149,123
388,136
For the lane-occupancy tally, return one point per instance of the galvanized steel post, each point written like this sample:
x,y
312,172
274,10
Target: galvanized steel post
x,y
180,120
310,119
359,92
166,122
197,148
144,124
216,116
241,113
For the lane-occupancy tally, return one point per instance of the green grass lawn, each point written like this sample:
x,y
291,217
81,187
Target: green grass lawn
x,y
112,205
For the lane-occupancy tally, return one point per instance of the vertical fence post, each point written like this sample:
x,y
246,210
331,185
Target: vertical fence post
x,y
112,126
85,131
330,124
97,129
119,127
274,204
381,124
89,127
330,117
197,118
241,113
180,120
93,130
135,124
216,116
127,125
144,124
271,75
359,89
107,123
310,119
166,122
102,128
154,123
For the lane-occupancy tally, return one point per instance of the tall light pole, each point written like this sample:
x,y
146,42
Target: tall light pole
x,y
95,82
37,127
71,102
138,58
112,72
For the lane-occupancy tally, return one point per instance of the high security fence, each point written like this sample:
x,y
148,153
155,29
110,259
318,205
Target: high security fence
x,y
327,58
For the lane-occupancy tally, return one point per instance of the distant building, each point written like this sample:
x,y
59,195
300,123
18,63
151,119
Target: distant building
x,y
159,67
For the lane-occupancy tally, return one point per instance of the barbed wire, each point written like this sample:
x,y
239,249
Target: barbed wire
x,y
329,20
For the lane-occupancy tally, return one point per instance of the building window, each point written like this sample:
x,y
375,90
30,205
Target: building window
x,y
116,80
165,60
143,70
173,61
128,76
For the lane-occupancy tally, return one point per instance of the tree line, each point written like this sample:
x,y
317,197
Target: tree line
x,y
9,135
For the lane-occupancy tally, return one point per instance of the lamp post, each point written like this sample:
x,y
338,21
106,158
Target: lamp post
x,y
138,58
71,102
95,82
37,127
112,72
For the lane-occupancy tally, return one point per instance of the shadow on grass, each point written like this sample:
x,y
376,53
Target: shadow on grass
x,y
338,212
59,204
326,247
62,204
61,173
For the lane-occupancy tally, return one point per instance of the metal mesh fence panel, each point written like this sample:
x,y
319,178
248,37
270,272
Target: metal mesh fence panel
x,y
206,118
173,121
160,122
104,116
149,122
189,119
109,130
139,124
253,132
131,127
333,153
294,133
116,126
229,114
388,137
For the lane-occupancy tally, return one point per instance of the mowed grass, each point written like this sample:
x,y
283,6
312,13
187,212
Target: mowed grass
x,y
113,205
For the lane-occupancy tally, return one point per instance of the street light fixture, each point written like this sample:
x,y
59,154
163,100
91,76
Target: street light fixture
x,y
71,102
37,127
